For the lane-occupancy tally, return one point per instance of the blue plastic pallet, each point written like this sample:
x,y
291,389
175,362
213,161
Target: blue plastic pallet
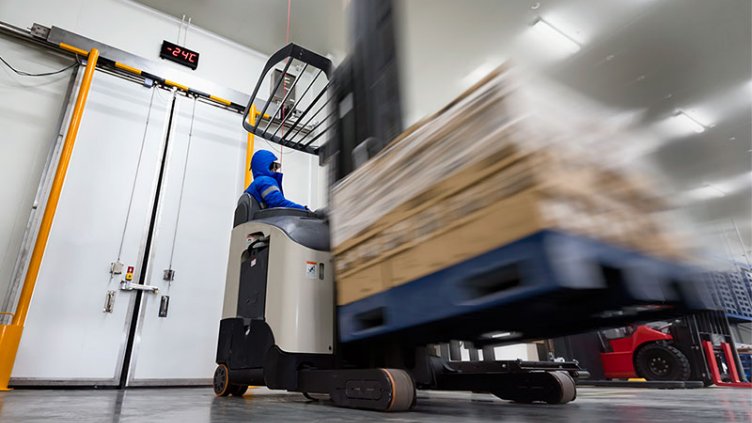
x,y
746,359
732,292
740,291
540,277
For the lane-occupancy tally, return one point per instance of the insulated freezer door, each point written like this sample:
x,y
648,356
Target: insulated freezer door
x,y
201,186
69,339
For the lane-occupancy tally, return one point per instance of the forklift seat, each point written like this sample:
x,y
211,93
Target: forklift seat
x,y
246,209
249,209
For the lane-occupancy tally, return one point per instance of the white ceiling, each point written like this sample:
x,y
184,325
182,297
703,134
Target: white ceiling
x,y
648,56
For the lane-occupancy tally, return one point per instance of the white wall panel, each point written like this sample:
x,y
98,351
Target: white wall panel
x,y
30,113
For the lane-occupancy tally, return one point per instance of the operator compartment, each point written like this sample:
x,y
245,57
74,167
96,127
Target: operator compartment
x,y
279,261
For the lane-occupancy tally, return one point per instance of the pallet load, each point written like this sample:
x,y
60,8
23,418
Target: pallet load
x,y
473,177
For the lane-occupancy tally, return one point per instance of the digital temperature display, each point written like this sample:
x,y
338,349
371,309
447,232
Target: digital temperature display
x,y
179,54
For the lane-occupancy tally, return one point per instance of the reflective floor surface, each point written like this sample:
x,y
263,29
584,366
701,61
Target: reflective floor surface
x,y
188,405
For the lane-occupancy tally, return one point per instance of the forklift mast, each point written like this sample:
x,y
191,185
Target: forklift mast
x,y
365,90
354,114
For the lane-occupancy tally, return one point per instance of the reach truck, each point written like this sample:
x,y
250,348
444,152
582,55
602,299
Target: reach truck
x,y
281,327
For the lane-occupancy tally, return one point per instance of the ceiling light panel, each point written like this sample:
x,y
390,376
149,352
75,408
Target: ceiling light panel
x,y
687,123
553,38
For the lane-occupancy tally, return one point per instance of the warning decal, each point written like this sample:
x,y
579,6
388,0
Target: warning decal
x,y
311,270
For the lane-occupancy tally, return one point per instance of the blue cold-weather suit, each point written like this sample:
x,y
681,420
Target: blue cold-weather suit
x,y
266,187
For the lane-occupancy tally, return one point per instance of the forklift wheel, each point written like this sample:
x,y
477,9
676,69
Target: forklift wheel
x,y
661,362
550,387
568,388
403,390
222,387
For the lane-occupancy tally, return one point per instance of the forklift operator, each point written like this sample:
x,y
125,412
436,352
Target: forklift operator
x,y
266,187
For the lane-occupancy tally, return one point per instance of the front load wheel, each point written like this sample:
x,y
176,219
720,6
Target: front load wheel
x,y
549,387
367,389
661,362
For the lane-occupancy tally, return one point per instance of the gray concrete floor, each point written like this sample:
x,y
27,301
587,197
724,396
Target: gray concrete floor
x,y
188,405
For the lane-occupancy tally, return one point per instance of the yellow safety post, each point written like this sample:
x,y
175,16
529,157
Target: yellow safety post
x,y
249,146
10,335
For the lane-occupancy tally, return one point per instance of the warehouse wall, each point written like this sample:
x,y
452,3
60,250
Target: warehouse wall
x,y
32,106
139,30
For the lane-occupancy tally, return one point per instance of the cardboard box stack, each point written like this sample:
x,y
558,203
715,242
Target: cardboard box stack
x,y
473,177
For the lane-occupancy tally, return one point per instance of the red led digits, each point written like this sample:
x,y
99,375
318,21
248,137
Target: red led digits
x,y
179,55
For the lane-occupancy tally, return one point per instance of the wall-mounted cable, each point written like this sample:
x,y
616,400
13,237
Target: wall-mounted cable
x,y
23,73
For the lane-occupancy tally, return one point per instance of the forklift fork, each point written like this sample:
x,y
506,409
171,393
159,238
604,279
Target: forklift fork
x,y
728,356
518,381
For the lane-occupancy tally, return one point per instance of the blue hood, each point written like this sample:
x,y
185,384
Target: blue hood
x,y
260,163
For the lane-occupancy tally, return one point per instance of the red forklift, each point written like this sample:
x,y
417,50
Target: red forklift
x,y
644,351
698,347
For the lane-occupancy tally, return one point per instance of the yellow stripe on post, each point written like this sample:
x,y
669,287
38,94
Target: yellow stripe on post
x,y
175,84
220,100
249,146
73,49
10,335
127,68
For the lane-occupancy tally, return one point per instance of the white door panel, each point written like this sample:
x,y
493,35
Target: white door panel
x,y
68,337
181,347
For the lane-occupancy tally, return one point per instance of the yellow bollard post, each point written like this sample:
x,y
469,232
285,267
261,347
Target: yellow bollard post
x,y
10,335
249,146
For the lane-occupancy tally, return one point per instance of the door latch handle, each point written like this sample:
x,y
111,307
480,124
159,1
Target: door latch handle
x,y
130,286
109,301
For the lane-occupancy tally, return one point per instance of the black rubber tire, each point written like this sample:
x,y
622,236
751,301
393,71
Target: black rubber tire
x,y
657,361
221,381
238,390
550,387
568,388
